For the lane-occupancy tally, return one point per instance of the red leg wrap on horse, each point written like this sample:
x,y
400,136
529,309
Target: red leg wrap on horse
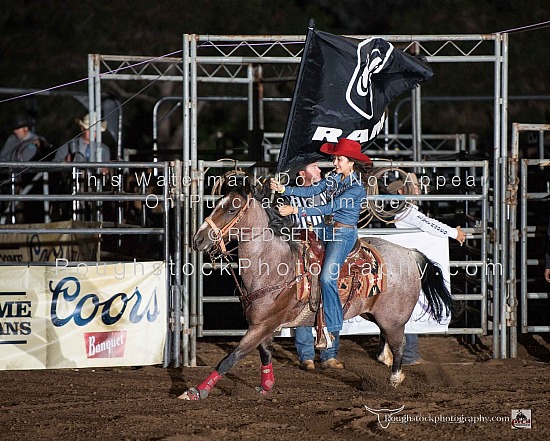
x,y
210,382
268,379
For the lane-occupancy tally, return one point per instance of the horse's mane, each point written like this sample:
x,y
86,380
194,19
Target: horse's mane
x,y
280,225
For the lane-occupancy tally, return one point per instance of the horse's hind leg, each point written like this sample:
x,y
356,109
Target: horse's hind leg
x,y
267,376
253,337
396,341
384,353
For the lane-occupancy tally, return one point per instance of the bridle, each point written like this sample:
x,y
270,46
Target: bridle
x,y
219,242
219,233
220,250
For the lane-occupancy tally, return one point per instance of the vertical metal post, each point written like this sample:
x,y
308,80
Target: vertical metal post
x,y
98,115
91,102
416,124
169,293
194,226
119,134
179,310
260,75
250,94
504,226
13,203
46,191
417,117
189,188
496,198
523,245
186,168
94,114
200,257
484,243
155,131
512,237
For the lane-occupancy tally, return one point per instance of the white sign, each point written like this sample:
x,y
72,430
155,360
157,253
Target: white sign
x,y
90,315
437,250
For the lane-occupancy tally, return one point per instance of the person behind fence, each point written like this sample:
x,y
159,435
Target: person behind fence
x,y
411,217
345,192
23,144
309,174
78,149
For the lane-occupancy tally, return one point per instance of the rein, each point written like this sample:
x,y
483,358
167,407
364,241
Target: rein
x,y
259,293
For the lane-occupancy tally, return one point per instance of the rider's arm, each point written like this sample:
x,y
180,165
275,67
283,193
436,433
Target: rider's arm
x,y
414,217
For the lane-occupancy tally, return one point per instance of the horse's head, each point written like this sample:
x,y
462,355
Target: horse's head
x,y
216,227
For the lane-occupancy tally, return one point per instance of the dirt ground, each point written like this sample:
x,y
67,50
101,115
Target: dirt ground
x,y
460,381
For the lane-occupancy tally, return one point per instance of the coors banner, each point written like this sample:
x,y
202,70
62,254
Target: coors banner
x,y
343,88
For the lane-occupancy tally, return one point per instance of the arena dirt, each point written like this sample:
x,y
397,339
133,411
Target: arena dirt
x,y
460,382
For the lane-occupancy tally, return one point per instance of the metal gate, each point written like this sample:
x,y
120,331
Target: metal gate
x,y
241,60
536,203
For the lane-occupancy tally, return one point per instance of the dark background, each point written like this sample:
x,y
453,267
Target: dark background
x,y
45,44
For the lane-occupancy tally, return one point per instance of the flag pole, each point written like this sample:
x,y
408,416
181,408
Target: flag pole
x,y
292,112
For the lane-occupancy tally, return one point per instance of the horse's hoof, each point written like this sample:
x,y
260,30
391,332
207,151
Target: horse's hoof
x,y
397,379
193,394
261,390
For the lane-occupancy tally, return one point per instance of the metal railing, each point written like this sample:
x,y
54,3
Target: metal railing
x,y
96,196
477,234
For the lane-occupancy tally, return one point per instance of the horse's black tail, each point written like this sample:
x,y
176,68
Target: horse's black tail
x,y
440,300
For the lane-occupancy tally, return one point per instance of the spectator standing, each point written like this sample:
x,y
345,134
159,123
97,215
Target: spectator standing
x,y
79,149
22,145
411,216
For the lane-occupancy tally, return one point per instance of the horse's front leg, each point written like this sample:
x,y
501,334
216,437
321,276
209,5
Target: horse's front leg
x,y
267,376
253,337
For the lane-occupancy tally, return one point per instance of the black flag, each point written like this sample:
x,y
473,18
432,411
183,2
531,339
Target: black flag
x,y
343,88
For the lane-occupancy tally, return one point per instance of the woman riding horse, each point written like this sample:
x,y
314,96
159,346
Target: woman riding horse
x,y
272,270
345,194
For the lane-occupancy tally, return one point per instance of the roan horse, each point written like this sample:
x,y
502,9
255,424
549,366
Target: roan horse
x,y
269,296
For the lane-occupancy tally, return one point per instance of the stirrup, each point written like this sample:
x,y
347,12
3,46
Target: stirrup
x,y
325,342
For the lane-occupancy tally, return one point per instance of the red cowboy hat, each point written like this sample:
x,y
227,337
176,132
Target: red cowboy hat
x,y
346,147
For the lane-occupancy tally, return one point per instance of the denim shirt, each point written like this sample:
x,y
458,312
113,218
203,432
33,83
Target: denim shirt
x,y
344,198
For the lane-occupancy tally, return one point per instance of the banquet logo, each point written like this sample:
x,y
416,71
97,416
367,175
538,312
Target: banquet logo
x,y
105,344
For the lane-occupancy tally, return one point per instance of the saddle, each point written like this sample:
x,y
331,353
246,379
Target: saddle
x,y
360,277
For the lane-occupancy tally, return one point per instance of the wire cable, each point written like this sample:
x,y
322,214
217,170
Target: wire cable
x,y
531,27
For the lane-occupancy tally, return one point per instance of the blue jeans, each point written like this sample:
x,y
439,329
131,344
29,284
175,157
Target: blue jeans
x,y
411,354
338,244
304,342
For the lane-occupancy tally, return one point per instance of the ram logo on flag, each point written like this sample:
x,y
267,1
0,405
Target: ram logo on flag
x,y
369,61
343,88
